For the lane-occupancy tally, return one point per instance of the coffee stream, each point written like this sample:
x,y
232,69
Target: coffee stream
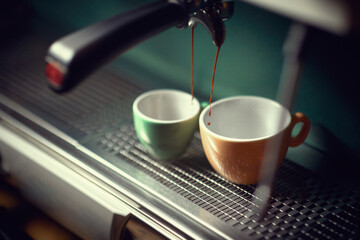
x,y
212,81
192,63
192,71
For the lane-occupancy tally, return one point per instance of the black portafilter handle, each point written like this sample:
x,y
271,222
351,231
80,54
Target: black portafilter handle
x,y
74,57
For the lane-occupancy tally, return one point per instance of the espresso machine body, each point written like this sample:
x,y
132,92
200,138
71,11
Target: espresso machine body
x,y
74,153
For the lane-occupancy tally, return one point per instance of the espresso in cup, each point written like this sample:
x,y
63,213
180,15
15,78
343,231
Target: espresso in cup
x,y
241,129
165,121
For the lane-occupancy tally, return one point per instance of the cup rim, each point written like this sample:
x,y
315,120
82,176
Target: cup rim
x,y
231,139
156,91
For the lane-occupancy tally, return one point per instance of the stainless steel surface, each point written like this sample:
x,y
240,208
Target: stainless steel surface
x,y
337,16
89,133
73,191
82,206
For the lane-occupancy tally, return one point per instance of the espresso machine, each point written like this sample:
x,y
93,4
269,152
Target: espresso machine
x,y
70,146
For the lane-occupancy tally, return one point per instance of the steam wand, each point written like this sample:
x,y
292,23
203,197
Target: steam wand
x,y
289,81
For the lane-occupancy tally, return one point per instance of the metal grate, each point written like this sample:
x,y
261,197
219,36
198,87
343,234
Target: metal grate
x,y
302,205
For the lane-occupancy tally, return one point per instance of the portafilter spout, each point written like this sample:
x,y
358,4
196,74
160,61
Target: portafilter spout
x,y
73,57
212,17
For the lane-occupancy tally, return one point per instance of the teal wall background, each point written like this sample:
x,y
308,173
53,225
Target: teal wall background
x,y
250,60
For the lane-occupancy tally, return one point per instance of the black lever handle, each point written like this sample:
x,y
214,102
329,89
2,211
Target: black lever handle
x,y
77,55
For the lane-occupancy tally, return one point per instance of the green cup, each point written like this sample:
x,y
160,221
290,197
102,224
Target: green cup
x,y
165,121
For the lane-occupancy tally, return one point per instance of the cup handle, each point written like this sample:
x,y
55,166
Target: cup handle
x,y
304,131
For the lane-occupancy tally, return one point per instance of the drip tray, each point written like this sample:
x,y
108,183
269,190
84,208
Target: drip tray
x,y
186,193
301,206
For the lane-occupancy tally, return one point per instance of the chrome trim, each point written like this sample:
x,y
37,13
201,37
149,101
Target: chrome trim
x,y
97,173
80,205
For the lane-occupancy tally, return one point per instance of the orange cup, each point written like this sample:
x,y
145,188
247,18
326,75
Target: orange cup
x,y
243,130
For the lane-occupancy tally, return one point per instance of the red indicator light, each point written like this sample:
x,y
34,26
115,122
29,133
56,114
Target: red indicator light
x,y
54,74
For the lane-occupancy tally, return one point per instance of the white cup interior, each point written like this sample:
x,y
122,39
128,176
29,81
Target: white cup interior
x,y
245,118
166,106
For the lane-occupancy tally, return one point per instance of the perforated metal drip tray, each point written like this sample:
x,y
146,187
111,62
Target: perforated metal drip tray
x,y
98,115
302,205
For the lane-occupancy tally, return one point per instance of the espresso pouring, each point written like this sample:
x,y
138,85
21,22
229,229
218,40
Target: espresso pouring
x,y
192,70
